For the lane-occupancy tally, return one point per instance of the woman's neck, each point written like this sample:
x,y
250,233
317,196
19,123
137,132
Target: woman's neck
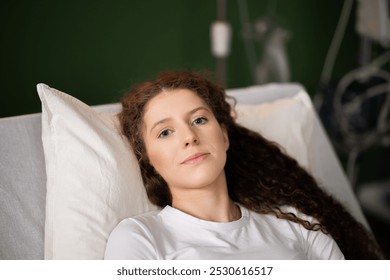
x,y
210,203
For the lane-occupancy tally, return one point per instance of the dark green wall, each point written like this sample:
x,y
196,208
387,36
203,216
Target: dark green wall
x,y
96,49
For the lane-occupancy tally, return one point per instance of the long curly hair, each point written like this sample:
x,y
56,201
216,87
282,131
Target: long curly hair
x,y
264,180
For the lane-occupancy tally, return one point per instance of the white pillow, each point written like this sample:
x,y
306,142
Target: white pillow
x,y
287,121
93,178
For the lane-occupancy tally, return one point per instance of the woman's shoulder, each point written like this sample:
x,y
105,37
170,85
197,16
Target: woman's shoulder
x,y
133,238
284,209
298,213
140,220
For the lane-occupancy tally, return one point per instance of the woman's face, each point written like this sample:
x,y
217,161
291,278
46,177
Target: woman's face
x,y
184,142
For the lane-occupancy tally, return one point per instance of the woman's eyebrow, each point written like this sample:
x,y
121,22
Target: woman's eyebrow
x,y
159,122
188,113
197,109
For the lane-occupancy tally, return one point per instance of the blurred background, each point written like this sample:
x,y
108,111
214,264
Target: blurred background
x,y
95,49
338,50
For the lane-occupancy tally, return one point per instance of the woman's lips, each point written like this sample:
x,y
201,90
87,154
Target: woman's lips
x,y
195,158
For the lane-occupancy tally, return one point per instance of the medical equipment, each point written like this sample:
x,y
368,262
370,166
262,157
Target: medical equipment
x,y
220,34
373,20
356,109
264,43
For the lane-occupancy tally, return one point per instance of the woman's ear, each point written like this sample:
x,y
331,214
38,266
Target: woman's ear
x,y
225,137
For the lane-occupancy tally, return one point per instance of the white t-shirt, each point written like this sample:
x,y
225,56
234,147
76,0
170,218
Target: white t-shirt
x,y
173,234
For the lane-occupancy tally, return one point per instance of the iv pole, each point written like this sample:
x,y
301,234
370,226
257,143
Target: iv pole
x,y
220,33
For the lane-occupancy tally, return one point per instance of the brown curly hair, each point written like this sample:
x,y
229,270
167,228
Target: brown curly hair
x,y
263,180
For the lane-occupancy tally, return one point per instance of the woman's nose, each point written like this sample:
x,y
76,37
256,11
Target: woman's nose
x,y
190,137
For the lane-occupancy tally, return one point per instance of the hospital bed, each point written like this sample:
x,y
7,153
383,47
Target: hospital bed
x,y
68,176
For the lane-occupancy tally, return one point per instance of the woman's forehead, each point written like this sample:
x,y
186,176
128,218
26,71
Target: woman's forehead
x,y
171,101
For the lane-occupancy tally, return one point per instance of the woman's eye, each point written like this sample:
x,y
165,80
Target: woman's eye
x,y
164,133
198,121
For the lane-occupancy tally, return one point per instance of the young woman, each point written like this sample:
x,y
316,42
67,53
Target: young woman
x,y
225,191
